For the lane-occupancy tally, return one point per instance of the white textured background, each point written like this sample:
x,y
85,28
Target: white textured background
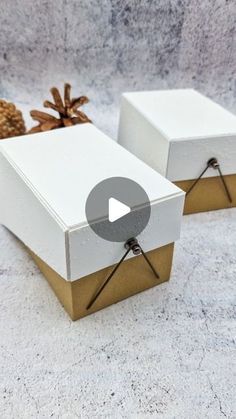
x,y
168,353
105,47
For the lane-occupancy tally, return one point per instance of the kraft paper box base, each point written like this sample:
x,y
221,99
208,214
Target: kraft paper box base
x,y
132,277
208,194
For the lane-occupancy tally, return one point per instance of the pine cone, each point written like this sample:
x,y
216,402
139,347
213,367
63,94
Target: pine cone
x,y
11,120
68,111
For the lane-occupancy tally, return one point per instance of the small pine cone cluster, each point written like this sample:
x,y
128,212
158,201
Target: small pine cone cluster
x,y
11,120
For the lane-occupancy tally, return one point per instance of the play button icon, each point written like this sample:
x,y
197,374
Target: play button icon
x,y
117,209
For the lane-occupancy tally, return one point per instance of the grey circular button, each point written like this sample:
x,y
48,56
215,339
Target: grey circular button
x,y
117,209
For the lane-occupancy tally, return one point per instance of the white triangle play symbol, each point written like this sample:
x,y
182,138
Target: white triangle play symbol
x,y
116,209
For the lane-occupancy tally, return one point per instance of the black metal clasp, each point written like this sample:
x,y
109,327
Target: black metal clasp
x,y
130,245
214,164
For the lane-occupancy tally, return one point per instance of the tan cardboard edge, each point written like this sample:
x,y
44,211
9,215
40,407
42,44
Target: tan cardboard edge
x,y
208,194
133,276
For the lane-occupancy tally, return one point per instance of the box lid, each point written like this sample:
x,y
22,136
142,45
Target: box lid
x,y
193,127
184,114
60,168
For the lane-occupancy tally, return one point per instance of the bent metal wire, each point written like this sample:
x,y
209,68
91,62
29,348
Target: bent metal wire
x,y
214,164
131,245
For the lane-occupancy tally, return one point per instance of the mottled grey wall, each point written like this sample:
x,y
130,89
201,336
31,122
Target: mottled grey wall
x,y
105,47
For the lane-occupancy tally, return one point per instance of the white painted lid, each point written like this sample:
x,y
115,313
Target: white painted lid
x,y
45,180
62,167
177,131
183,114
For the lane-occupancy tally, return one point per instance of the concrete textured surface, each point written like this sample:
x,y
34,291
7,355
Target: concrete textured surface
x,y
170,352
166,353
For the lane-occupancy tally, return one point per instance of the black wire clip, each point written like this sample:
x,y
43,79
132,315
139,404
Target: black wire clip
x,y
214,164
131,245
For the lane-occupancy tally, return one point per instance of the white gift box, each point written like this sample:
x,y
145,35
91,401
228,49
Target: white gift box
x,y
176,132
45,180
